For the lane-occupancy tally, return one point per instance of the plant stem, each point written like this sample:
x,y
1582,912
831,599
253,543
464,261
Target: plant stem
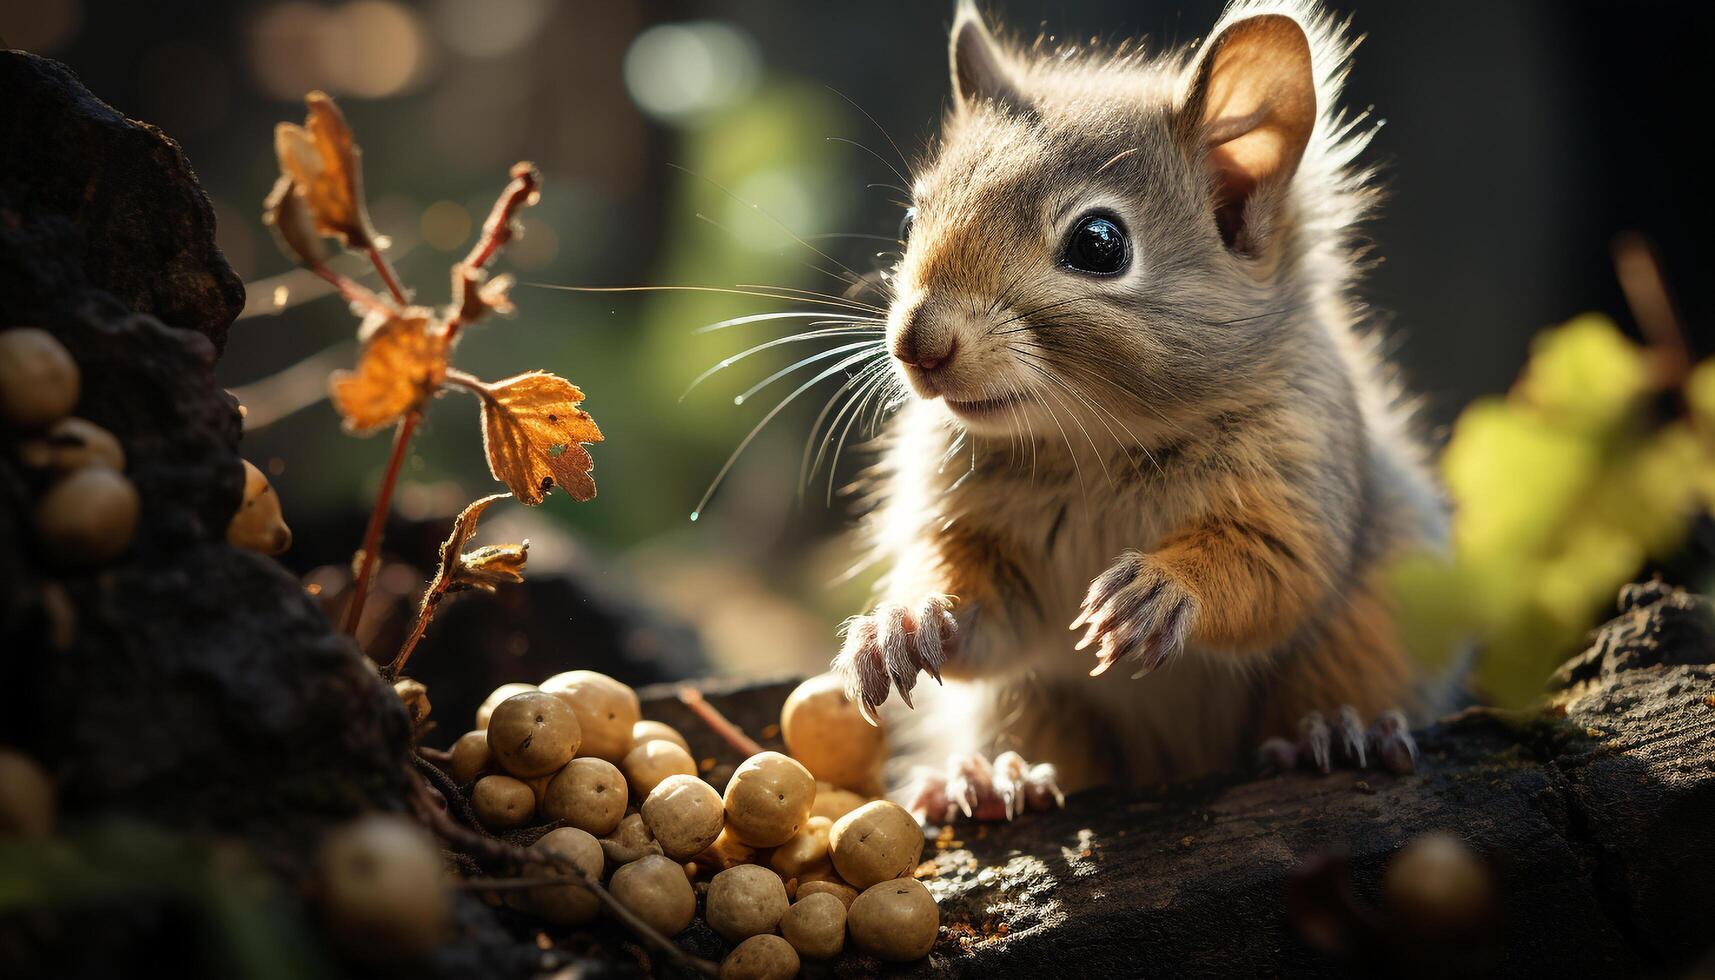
x,y
711,716
421,626
369,557
485,848
388,276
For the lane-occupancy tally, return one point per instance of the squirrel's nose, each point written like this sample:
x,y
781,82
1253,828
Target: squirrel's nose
x,y
929,355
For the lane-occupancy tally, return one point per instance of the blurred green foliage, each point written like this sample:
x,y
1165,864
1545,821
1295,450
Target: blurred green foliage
x,y
1563,490
117,875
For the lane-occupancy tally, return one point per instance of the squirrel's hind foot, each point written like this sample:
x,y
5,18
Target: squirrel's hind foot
x,y
1345,742
984,790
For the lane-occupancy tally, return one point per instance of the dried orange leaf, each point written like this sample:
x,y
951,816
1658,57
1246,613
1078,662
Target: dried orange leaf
x,y
326,169
533,431
284,210
403,363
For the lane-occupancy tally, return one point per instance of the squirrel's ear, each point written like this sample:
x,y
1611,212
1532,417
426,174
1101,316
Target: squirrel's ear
x,y
1251,108
981,69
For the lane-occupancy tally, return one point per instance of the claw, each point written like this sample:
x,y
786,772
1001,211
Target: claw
x,y
1394,746
936,628
1313,738
1351,731
1041,784
929,800
894,639
1010,772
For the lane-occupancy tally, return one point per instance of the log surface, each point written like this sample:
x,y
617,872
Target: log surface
x,y
1596,818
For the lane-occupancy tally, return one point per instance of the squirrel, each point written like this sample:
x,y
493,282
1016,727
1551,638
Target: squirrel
x,y
1141,406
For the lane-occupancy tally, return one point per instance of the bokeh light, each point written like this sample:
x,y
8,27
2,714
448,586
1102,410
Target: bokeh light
x,y
675,71
366,48
491,28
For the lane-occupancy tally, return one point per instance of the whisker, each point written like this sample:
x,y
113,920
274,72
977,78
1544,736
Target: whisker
x,y
808,469
1071,411
1134,440
744,396
818,295
739,321
825,374
839,304
841,139
891,187
727,362
813,267
1256,316
854,234
1029,313
1070,450
876,385
884,135
855,278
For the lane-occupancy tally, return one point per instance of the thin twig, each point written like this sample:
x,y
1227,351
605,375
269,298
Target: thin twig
x,y
526,184
369,557
349,289
492,851
1639,272
711,716
425,612
388,276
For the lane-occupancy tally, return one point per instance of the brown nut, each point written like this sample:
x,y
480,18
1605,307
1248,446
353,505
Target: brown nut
x,y
533,734
258,525
499,694
834,803
414,695
645,730
839,889
630,841
805,851
824,731
655,887
71,444
768,799
895,920
382,886
87,518
684,814
875,842
606,709
726,852
589,794
38,378
761,958
502,802
650,762
567,905
26,796
469,757
744,901
1435,885
815,925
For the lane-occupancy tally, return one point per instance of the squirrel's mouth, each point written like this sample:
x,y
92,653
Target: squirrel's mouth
x,y
983,409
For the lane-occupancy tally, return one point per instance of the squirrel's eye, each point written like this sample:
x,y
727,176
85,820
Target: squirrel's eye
x,y
1097,246
905,225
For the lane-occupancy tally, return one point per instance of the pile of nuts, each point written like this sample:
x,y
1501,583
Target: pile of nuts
x,y
797,853
88,513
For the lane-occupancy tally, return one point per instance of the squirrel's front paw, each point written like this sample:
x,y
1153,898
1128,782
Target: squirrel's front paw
x,y
1136,611
888,647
